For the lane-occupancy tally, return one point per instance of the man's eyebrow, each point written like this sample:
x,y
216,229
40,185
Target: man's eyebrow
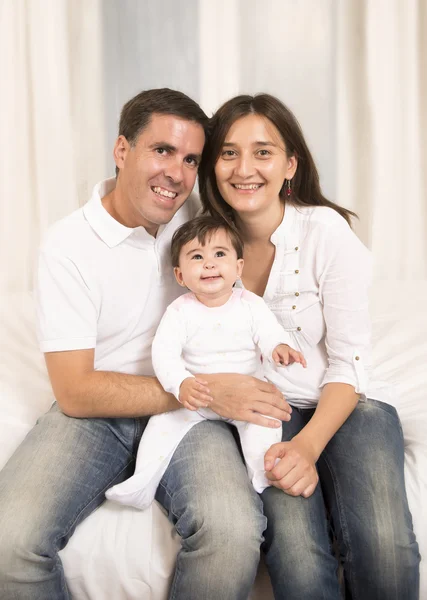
x,y
258,143
164,145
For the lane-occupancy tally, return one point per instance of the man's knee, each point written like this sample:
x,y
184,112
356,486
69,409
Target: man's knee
x,y
23,548
231,527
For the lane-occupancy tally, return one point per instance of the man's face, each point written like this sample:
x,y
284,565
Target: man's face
x,y
158,173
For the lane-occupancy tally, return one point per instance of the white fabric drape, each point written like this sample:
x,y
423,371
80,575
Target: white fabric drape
x,y
51,123
382,129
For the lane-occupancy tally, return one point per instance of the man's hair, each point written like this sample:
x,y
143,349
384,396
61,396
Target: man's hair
x,y
202,228
137,112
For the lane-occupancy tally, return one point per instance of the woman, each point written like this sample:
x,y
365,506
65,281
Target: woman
x,y
302,257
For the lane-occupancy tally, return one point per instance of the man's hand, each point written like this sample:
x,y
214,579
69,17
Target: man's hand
x,y
291,467
285,355
194,393
246,398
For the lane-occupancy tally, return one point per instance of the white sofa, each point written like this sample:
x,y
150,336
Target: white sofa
x,y
125,554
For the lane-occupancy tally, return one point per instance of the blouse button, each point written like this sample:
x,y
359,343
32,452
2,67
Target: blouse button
x,y
294,307
296,293
296,248
298,328
356,358
296,271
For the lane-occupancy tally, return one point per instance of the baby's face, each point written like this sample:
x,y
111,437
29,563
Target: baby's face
x,y
209,271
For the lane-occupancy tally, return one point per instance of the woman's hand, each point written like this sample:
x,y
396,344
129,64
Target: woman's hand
x,y
246,398
291,467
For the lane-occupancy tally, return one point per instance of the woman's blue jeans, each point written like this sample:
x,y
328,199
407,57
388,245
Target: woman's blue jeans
x,y
61,471
59,475
363,492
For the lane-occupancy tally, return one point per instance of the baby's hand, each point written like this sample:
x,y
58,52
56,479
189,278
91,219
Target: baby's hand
x,y
194,393
285,355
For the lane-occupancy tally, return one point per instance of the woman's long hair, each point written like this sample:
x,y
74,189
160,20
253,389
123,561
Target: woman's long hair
x,y
305,186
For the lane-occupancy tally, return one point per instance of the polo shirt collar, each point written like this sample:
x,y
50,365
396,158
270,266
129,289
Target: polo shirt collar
x,y
109,230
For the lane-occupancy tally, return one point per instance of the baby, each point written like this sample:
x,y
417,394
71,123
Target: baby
x,y
215,328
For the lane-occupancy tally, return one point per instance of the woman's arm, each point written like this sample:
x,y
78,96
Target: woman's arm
x,y
337,402
296,472
343,273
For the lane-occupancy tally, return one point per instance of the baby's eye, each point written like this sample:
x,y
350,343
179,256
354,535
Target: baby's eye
x,y
196,257
220,254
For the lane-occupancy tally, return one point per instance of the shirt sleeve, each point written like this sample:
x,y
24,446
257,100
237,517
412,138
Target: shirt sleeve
x,y
267,331
345,275
168,344
67,314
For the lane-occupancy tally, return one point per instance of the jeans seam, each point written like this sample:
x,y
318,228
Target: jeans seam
x,y
86,505
136,436
64,587
177,574
171,505
342,520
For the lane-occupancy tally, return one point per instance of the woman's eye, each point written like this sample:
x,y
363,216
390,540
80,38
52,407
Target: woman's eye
x,y
228,153
264,153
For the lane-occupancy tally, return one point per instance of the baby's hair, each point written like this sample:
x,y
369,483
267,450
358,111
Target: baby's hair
x,y
202,228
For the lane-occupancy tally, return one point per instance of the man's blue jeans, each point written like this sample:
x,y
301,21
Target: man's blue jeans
x,y
363,492
60,473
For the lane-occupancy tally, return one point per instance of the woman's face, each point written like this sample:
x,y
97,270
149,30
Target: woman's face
x,y
253,165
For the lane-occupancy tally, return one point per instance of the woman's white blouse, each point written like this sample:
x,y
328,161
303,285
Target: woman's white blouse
x,y
318,290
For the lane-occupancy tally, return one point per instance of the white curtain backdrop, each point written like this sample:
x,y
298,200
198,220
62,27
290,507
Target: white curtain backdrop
x,y
382,129
353,72
51,122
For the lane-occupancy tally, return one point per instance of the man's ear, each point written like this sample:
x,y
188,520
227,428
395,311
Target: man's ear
x,y
178,276
240,263
121,149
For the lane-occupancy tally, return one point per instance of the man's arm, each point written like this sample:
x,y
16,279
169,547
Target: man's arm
x,y
83,392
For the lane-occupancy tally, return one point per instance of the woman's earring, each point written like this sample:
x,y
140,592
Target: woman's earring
x,y
288,188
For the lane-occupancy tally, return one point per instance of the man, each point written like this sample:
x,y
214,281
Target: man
x,y
104,281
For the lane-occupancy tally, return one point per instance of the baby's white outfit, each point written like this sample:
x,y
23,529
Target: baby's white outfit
x,y
195,339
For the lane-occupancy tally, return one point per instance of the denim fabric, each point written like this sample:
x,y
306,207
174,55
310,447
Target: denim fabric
x,y
211,501
61,471
363,492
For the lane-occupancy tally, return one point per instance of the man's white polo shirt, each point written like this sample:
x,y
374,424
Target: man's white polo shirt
x,y
106,286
